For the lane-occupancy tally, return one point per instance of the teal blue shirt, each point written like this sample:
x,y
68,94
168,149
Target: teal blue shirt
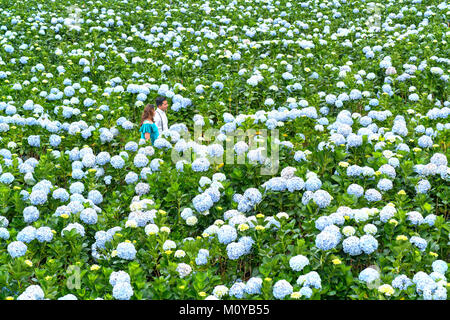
x,y
150,128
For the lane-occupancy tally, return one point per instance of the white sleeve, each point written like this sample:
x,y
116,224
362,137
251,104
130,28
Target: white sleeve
x,y
166,121
158,121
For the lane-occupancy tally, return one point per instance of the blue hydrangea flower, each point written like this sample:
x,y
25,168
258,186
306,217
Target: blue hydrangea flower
x,y
61,194
300,156
327,240
202,257
126,250
351,246
354,170
355,189
54,140
322,198
385,185
117,277
306,292
44,234
369,275
311,279
95,196
247,242
131,177
30,214
387,213
439,159
33,292
202,202
297,263
155,163
162,143
34,141
368,244
27,234
226,234
372,195
140,160
186,213
295,184
313,184
200,165
429,219
38,197
415,217
439,266
423,186
281,289
123,291
275,184
4,233
401,282
237,290
322,222
214,193
253,285
425,142
89,216
17,249
235,250
439,293
117,162
103,158
78,227
76,187
418,242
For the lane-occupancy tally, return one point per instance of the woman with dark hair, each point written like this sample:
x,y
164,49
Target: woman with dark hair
x,y
148,129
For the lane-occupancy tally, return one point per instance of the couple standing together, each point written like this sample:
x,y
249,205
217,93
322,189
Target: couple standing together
x,y
153,120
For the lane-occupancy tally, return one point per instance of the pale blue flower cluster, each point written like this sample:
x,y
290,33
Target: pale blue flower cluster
x,y
401,282
226,234
419,242
250,198
439,266
351,245
30,214
355,189
17,249
281,289
297,263
126,250
369,275
310,280
74,226
327,239
89,216
237,290
202,202
253,286
202,257
33,292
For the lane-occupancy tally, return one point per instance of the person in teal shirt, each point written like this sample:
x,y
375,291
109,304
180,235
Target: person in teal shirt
x,y
148,129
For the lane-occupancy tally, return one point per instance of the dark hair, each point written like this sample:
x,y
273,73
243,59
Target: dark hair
x,y
149,112
159,101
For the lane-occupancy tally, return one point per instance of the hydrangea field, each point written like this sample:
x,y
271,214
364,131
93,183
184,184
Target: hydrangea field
x,y
338,188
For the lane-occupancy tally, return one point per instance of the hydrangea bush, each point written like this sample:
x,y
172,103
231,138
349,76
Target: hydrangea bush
x,y
357,207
